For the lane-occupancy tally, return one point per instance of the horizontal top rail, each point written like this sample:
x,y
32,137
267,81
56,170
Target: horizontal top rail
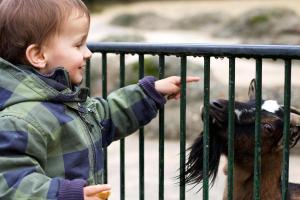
x,y
216,50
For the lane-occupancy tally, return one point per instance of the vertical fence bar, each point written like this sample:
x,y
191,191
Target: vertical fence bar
x,y
182,126
161,141
104,94
141,140
231,126
286,129
257,151
104,75
122,141
88,75
206,127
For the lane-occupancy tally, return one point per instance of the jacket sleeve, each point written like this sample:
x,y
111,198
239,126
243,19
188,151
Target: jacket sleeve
x,y
128,108
23,155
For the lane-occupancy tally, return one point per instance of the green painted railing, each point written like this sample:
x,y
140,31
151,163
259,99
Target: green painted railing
x,y
257,52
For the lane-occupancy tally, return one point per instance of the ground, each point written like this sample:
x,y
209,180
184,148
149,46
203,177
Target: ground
x,y
171,171
245,71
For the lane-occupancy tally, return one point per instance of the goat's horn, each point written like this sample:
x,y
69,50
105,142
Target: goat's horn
x,y
295,110
295,116
295,119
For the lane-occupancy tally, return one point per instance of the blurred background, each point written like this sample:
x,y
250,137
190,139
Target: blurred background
x,y
254,21
194,21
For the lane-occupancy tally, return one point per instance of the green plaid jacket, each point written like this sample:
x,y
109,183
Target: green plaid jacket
x,y
51,137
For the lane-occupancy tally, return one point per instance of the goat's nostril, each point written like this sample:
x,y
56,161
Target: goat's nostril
x,y
217,104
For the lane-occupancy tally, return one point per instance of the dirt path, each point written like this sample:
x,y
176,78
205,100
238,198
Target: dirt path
x,y
151,172
171,171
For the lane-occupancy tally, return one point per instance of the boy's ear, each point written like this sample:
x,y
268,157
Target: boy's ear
x,y
35,56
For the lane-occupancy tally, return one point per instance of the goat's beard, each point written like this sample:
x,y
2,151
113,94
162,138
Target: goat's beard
x,y
194,167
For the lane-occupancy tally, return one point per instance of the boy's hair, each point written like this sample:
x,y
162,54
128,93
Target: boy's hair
x,y
26,22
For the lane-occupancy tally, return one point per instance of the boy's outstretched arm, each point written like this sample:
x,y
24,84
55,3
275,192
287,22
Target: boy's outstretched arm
x,y
133,106
171,86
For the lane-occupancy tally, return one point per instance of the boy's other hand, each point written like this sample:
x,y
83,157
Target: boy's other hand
x,y
91,192
171,86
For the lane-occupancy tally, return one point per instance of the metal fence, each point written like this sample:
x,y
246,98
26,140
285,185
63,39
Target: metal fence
x,y
257,52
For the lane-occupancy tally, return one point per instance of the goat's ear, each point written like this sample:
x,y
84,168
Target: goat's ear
x,y
252,90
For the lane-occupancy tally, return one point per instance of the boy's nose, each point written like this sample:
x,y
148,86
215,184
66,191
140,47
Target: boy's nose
x,y
87,53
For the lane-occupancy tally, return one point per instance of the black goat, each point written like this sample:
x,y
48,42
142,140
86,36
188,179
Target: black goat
x,y
244,142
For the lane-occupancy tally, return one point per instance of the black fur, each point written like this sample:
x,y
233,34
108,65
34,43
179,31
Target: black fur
x,y
194,166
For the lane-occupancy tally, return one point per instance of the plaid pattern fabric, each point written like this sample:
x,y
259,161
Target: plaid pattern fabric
x,y
49,138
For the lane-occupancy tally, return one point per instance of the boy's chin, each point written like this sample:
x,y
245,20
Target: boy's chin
x,y
77,82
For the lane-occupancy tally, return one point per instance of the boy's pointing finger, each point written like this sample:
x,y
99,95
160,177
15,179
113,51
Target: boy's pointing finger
x,y
192,78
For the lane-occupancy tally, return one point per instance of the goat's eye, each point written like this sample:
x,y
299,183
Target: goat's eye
x,y
268,128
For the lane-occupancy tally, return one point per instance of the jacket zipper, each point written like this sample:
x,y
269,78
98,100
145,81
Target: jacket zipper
x,y
89,127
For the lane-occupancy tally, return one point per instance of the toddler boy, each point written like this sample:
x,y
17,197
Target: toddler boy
x,y
51,132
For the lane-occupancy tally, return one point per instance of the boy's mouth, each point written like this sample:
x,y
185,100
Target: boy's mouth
x,y
82,68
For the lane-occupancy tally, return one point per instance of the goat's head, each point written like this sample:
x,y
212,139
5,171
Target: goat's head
x,y
244,128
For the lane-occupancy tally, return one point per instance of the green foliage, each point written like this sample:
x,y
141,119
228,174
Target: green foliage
x,y
150,69
262,25
258,20
267,15
199,20
125,20
94,6
143,20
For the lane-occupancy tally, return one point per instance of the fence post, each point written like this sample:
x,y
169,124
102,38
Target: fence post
x,y
231,126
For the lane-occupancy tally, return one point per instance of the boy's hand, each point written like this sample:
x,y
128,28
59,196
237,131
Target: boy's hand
x,y
92,192
171,86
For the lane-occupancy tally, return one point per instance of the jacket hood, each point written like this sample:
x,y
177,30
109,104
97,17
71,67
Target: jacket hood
x,y
22,84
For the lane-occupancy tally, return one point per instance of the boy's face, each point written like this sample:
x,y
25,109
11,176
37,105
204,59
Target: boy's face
x,y
68,48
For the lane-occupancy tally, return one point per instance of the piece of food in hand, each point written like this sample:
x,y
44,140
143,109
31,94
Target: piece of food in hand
x,y
104,194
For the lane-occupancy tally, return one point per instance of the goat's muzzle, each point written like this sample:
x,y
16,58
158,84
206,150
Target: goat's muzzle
x,y
217,112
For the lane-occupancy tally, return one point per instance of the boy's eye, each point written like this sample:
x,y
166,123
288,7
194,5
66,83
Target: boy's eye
x,y
78,45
